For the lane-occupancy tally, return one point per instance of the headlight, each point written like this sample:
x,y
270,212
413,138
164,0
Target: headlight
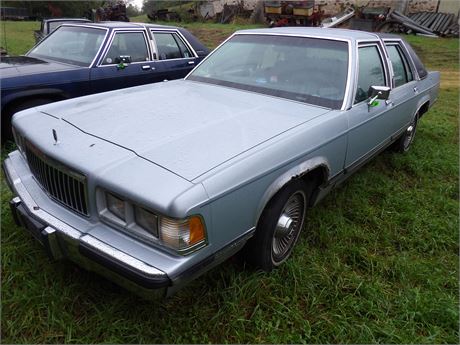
x,y
116,206
182,234
146,219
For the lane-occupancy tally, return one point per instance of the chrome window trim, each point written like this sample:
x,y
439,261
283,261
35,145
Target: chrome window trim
x,y
385,64
410,61
349,41
111,38
394,87
80,25
181,37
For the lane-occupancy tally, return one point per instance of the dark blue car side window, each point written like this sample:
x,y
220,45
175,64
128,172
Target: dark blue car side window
x,y
170,46
127,44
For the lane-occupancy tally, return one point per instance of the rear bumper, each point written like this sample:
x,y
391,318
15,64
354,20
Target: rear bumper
x,y
61,240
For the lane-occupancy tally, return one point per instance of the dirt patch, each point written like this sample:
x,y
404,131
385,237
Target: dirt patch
x,y
211,38
450,79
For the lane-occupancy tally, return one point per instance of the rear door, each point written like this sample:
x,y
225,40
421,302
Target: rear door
x,y
175,56
111,74
403,96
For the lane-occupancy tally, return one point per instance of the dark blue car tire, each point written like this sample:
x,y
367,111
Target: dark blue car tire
x,y
7,133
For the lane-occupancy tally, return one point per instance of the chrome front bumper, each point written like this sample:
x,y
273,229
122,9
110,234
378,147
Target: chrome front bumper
x,y
61,241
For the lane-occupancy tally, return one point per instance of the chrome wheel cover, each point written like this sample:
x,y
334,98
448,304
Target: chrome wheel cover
x,y
288,226
410,134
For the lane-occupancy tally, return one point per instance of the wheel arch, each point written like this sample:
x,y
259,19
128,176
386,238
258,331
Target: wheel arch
x,y
14,99
423,107
314,170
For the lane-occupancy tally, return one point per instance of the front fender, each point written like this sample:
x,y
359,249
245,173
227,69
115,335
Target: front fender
x,y
296,171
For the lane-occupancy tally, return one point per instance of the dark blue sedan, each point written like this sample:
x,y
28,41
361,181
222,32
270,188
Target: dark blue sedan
x,y
81,59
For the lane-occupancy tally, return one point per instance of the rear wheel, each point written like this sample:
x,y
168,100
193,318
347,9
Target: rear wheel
x,y
405,141
7,133
279,226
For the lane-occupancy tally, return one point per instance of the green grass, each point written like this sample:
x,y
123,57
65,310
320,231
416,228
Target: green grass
x,y
211,34
17,37
377,262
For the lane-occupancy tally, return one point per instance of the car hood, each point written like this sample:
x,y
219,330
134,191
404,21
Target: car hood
x,y
11,66
186,127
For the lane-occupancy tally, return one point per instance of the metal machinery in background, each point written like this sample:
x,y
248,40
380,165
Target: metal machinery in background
x,y
292,13
115,11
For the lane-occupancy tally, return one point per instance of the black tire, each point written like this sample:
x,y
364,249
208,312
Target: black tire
x,y
272,244
7,133
405,141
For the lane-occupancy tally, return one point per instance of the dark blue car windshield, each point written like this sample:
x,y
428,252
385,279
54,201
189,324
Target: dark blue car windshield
x,y
309,70
70,44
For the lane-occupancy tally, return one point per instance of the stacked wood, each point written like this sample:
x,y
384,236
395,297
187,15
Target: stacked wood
x,y
443,24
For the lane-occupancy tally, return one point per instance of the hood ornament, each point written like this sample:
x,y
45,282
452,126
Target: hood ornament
x,y
56,141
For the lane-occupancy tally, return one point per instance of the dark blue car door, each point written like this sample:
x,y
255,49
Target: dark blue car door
x,y
110,73
175,58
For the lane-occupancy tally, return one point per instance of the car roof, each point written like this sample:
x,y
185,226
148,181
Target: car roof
x,y
340,34
127,25
196,44
66,19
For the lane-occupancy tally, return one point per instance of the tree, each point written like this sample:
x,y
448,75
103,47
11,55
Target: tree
x,y
41,9
132,11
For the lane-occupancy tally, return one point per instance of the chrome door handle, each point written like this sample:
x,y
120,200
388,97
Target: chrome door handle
x,y
389,102
191,62
145,67
415,89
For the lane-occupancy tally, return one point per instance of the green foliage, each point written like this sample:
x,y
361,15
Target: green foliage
x,y
376,263
132,11
42,9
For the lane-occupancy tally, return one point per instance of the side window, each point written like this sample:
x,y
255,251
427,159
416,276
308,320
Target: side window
x,y
400,65
170,46
127,43
371,72
183,48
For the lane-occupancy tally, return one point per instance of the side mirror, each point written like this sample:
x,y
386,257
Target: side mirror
x,y
378,92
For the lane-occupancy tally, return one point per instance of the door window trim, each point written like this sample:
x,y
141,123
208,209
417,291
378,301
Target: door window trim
x,y
402,45
109,45
180,36
383,58
405,62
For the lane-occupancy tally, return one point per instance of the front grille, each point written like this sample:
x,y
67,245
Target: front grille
x,y
64,185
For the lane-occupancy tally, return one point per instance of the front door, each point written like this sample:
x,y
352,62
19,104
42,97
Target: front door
x,y
111,74
370,126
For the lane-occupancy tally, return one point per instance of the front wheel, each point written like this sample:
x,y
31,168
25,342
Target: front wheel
x,y
279,226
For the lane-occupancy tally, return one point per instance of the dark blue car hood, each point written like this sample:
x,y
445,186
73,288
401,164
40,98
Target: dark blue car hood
x,y
12,66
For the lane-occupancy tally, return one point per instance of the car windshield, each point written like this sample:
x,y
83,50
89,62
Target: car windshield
x,y
309,70
70,44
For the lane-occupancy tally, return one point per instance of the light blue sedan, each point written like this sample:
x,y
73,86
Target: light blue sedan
x,y
153,185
